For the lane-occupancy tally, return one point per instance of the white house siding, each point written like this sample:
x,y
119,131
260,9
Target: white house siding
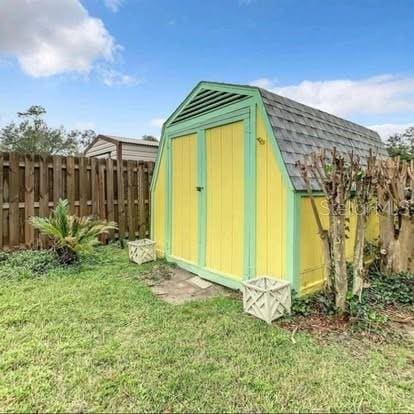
x,y
105,149
101,149
139,152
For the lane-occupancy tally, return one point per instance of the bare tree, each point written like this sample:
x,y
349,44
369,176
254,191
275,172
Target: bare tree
x,y
396,204
342,179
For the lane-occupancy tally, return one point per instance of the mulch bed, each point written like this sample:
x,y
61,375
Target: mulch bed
x,y
400,324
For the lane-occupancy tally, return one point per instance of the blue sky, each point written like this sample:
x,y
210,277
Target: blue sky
x,y
121,66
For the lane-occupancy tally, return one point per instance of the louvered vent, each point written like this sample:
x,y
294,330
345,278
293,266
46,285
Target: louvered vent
x,y
205,101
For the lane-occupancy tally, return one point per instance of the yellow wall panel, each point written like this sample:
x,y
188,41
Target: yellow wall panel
x,y
270,209
225,198
184,231
159,208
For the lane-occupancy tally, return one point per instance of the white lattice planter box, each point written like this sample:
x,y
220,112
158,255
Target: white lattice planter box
x,y
266,298
141,251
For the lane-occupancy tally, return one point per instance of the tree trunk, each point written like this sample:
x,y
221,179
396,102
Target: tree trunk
x,y
406,238
387,241
341,278
358,262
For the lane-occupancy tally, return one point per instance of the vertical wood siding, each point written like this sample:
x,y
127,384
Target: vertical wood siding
x,y
225,199
30,185
184,234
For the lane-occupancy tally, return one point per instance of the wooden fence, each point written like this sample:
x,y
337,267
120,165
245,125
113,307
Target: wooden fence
x,y
30,185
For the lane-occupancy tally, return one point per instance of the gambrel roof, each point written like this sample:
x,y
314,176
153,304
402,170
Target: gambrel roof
x,y
300,129
297,128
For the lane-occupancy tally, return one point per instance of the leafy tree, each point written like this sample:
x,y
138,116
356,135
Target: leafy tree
x,y
402,145
33,135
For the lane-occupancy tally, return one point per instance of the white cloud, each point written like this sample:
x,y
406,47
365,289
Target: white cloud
x,y
157,122
382,94
386,130
113,5
50,37
112,77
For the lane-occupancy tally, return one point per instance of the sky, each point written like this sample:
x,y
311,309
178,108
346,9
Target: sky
x,y
121,67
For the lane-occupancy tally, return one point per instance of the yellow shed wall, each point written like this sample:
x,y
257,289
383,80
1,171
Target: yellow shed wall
x,y
159,206
270,208
310,246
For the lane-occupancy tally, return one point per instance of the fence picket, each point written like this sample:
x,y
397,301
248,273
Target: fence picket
x,y
28,200
57,179
14,200
43,193
121,197
1,200
130,192
142,228
83,187
110,192
70,183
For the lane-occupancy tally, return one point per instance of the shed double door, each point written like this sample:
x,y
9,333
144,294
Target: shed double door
x,y
207,219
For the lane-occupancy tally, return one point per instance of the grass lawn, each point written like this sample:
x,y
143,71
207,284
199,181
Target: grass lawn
x,y
96,339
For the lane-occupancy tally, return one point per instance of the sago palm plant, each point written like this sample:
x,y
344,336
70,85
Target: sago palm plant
x,y
71,235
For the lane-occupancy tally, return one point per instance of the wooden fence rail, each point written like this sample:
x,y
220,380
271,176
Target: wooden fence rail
x,y
30,185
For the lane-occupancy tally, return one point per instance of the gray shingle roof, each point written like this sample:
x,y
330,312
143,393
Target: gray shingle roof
x,y
136,141
300,129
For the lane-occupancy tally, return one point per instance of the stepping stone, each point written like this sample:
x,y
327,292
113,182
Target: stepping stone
x,y
197,281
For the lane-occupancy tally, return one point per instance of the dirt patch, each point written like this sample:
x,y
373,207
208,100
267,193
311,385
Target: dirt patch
x,y
401,320
321,326
178,286
399,325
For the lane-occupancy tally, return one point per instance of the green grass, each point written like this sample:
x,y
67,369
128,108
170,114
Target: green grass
x,y
94,338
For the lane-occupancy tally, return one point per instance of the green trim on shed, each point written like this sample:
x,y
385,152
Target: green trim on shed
x,y
245,110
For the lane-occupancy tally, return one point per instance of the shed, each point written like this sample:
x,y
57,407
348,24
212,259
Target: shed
x,y
110,146
227,200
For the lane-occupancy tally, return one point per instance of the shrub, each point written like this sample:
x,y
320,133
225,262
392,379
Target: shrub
x,y
397,289
71,235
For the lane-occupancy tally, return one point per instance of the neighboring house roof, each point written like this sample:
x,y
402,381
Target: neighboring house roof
x,y
136,141
115,139
300,129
